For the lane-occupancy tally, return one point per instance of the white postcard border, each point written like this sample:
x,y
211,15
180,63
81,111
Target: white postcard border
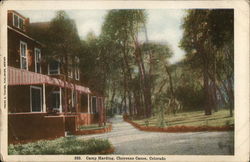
x,y
241,9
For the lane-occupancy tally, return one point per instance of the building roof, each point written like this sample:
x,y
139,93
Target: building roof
x,y
40,25
25,35
23,77
17,13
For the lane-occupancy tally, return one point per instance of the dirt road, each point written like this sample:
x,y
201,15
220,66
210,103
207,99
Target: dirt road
x,y
128,140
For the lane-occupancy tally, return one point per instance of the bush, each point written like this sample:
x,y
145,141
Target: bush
x,y
93,126
65,145
110,113
191,98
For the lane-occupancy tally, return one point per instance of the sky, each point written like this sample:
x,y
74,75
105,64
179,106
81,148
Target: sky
x,y
163,25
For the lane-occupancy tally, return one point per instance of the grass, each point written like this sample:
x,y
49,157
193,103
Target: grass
x,y
93,126
195,118
64,145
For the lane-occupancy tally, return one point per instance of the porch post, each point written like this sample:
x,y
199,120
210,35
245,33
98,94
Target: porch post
x,y
44,98
97,106
88,105
60,94
104,110
91,108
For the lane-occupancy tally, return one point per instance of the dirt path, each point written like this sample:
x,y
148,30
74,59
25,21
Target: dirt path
x,y
128,140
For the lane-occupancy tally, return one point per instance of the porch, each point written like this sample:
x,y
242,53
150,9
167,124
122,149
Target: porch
x,y
42,107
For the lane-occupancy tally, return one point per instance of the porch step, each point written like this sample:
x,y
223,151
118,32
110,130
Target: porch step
x,y
68,134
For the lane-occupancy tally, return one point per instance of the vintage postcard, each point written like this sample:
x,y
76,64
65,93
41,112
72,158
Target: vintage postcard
x,y
124,80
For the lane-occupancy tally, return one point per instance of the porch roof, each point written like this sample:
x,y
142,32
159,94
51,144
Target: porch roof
x,y
23,77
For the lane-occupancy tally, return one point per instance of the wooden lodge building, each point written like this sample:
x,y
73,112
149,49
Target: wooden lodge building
x,y
38,107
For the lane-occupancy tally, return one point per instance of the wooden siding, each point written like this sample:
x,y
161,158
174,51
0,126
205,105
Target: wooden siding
x,y
14,51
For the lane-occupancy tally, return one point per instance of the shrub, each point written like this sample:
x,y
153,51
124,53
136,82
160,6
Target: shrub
x,y
146,123
227,122
93,126
65,145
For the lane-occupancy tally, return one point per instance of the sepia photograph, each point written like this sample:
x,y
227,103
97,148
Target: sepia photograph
x,y
133,83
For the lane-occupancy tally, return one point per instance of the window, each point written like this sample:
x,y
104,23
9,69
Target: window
x,y
18,21
77,71
94,104
70,68
21,26
74,98
15,20
99,103
38,60
54,67
70,71
55,99
23,55
36,99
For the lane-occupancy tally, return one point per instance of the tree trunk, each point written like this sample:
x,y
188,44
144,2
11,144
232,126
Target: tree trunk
x,y
64,68
207,103
145,80
172,98
112,98
125,102
231,97
206,93
213,83
170,81
214,96
137,107
143,104
128,76
130,103
230,93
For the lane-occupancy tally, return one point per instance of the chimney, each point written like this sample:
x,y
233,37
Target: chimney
x,y
26,24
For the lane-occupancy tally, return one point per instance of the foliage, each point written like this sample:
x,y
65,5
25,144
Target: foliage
x,y
123,25
64,39
160,103
66,146
121,29
208,42
191,98
160,53
59,36
138,75
89,58
188,86
93,126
